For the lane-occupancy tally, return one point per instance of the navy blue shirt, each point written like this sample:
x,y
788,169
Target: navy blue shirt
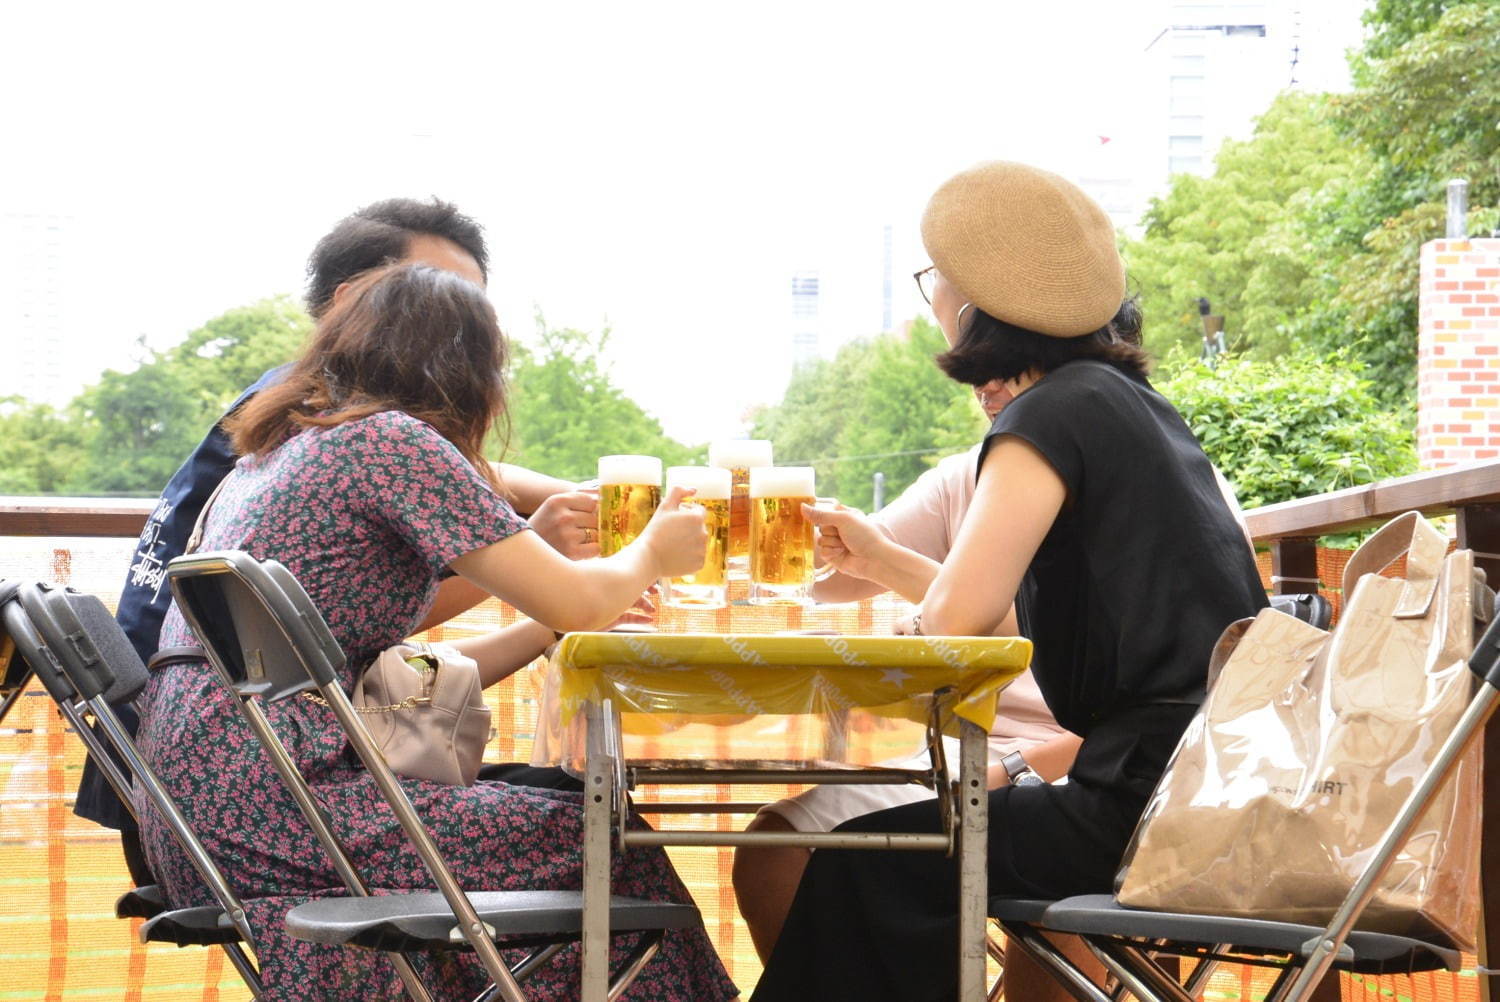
x,y
144,602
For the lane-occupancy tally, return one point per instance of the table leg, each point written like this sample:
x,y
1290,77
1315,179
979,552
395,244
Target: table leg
x,y
973,896
599,777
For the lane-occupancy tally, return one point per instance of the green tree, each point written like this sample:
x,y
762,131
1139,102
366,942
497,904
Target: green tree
x,y
228,353
1243,237
142,425
1393,23
1290,427
565,412
139,426
806,426
881,406
1426,111
907,415
41,450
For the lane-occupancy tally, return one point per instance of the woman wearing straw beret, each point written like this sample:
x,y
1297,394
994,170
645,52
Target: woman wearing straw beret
x,y
1096,529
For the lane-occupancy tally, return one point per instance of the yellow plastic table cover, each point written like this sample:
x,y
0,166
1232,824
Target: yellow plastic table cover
x,y
657,682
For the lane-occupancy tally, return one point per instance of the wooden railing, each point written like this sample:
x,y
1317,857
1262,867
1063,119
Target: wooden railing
x,y
121,518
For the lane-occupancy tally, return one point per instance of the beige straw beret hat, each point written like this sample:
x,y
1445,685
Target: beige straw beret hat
x,y
1027,247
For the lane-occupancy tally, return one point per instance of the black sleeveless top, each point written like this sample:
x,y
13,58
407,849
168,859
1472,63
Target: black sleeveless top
x,y
1145,565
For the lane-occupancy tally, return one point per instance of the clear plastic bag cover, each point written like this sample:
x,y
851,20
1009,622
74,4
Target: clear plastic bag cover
x,y
750,699
1304,752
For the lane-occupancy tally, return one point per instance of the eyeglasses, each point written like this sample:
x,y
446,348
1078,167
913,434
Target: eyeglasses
x,y
926,279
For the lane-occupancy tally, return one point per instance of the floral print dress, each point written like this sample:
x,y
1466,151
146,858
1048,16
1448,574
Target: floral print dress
x,y
366,514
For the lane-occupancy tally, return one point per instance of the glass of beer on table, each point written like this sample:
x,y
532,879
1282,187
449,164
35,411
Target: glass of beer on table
x,y
781,537
629,491
708,587
739,456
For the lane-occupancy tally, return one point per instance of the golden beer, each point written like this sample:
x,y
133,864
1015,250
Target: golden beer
x,y
781,537
708,587
739,456
629,493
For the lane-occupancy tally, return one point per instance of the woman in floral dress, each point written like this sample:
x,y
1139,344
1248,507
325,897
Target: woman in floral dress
x,y
362,473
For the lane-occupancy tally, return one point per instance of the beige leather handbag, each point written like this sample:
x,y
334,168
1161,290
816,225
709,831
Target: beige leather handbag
x,y
424,707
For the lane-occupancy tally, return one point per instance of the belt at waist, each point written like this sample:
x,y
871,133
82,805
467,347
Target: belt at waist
x,y
175,656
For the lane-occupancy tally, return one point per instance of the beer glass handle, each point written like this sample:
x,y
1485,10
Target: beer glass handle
x,y
827,570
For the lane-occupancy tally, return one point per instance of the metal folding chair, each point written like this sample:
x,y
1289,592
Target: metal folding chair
x,y
1127,941
85,662
14,670
1310,607
266,639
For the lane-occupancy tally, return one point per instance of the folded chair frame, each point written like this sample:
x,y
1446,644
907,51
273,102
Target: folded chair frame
x,y
61,634
266,639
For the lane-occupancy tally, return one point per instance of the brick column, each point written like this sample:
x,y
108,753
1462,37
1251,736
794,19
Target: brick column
x,y
1458,353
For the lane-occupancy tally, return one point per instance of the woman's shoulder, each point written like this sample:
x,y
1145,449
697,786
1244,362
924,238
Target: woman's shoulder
x,y
1068,391
385,427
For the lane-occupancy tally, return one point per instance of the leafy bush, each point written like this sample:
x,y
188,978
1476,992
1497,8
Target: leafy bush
x,y
1289,428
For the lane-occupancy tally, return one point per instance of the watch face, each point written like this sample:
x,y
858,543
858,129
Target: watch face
x,y
1029,778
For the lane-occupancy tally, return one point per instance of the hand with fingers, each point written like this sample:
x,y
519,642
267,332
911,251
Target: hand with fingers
x,y
569,522
849,541
676,535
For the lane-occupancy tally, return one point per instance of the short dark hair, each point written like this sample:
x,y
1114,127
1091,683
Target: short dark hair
x,y
380,233
988,348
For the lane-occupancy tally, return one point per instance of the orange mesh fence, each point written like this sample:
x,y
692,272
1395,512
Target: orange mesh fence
x,y
60,875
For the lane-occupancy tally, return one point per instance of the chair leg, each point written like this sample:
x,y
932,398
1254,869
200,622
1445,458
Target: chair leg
x,y
1038,948
639,957
996,951
246,969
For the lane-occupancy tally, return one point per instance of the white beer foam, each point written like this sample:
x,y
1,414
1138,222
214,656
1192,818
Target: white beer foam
x,y
781,482
739,453
712,484
629,470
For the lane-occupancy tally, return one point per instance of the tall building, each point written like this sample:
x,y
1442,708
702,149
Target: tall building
x,y
1221,65
1204,71
805,324
34,275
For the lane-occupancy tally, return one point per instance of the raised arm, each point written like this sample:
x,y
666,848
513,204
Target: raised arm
x,y
581,595
1017,500
529,488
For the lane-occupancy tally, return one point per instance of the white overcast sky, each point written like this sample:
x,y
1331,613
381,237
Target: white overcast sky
x,y
663,168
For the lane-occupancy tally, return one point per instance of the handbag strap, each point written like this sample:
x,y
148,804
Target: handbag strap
x,y
195,539
1423,546
422,652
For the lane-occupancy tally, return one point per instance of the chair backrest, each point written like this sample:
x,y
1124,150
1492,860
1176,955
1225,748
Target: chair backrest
x,y
83,655
90,646
31,655
1309,607
265,641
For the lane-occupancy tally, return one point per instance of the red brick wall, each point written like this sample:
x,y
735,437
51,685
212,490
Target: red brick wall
x,y
1458,353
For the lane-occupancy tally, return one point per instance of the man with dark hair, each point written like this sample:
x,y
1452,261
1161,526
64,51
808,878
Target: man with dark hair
x,y
395,230
383,233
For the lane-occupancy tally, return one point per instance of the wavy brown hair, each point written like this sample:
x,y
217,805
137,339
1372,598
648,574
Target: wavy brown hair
x,y
403,337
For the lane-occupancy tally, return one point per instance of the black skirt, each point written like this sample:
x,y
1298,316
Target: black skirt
x,y
872,925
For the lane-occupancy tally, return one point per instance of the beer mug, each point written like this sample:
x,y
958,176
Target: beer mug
x,y
739,456
708,587
629,491
781,537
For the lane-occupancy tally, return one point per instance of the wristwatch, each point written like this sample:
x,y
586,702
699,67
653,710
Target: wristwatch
x,y
1019,772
